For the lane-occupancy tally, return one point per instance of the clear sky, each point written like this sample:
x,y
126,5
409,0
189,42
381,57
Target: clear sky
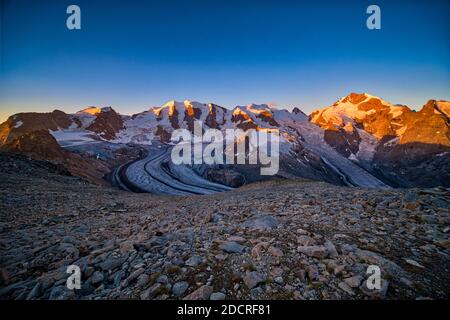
x,y
135,54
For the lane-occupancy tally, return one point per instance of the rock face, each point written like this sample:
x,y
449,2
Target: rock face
x,y
106,124
90,124
400,146
24,123
345,140
41,145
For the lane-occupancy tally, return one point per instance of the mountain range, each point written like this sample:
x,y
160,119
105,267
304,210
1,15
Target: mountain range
x,y
360,140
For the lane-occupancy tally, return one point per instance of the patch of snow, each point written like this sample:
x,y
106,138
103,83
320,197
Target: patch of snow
x,y
442,154
73,125
315,142
367,146
392,142
352,157
396,111
401,131
86,119
444,107
72,137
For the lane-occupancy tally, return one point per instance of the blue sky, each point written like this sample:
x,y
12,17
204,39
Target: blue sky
x,y
136,54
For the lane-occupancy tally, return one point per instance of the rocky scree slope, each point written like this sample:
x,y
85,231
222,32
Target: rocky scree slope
x,y
270,240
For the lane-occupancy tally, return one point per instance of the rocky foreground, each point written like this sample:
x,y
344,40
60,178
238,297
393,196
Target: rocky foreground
x,y
271,240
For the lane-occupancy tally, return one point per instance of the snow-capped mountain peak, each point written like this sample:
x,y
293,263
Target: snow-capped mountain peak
x,y
363,110
357,130
94,110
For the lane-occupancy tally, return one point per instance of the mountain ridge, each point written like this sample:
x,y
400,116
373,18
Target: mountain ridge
x,y
358,131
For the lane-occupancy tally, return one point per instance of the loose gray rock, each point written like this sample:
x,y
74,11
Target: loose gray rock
x,y
202,293
96,277
35,292
216,218
354,281
112,263
253,279
194,261
61,293
69,239
163,279
217,296
320,252
151,292
414,263
373,258
179,288
261,223
142,280
313,272
332,252
376,293
345,287
279,280
232,247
